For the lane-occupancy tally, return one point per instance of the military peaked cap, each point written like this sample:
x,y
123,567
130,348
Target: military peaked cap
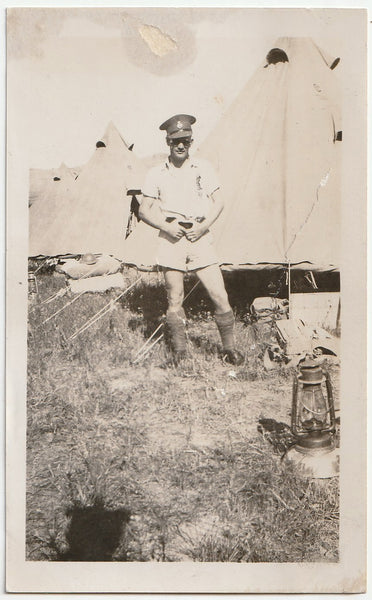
x,y
178,126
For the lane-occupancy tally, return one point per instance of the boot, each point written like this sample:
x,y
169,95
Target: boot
x,y
176,327
233,357
225,323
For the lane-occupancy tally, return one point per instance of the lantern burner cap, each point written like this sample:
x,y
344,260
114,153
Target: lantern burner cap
x,y
313,425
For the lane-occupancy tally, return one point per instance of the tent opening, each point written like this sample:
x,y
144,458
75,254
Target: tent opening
x,y
100,144
275,56
56,179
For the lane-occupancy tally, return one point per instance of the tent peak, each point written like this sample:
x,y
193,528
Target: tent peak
x,y
111,137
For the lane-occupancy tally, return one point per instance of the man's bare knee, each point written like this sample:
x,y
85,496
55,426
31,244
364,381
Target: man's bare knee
x,y
174,286
221,303
175,299
174,306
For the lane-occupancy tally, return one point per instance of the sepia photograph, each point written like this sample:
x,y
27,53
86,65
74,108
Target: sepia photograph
x,y
186,285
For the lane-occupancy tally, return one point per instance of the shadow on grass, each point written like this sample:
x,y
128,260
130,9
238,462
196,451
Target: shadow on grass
x,y
94,533
149,303
277,433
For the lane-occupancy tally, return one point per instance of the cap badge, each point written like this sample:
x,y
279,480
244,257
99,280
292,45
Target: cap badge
x,y
179,125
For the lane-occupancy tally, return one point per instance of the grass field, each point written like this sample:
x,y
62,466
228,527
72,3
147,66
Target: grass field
x,y
152,463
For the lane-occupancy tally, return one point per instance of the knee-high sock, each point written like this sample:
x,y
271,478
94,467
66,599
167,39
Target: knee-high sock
x,y
176,327
225,323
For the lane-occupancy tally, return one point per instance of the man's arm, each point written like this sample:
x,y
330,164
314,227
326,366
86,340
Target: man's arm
x,y
200,229
216,209
151,213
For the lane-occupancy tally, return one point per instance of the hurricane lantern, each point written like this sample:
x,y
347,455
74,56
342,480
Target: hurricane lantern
x,y
313,421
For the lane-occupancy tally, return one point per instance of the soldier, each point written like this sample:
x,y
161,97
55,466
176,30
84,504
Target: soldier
x,y
181,198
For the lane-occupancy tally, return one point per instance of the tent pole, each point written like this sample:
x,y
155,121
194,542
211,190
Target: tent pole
x,y
102,312
289,289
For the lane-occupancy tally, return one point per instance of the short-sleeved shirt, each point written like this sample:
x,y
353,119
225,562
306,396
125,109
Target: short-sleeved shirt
x,y
184,190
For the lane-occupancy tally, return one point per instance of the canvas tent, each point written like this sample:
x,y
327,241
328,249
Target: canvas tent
x,y
44,183
277,153
47,204
90,215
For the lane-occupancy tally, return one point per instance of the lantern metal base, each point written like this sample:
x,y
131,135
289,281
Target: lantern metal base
x,y
315,463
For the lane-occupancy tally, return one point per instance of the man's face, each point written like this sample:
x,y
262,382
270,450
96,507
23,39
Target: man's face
x,y
179,149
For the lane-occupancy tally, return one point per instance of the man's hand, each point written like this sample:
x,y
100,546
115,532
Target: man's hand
x,y
194,234
174,230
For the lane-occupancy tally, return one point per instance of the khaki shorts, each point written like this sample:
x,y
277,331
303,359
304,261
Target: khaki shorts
x,y
184,255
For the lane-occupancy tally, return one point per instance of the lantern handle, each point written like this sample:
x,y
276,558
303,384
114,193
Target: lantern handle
x,y
294,407
331,402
